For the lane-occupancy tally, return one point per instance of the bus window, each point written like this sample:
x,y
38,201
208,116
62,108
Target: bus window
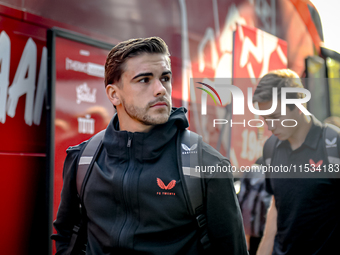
x,y
316,83
333,70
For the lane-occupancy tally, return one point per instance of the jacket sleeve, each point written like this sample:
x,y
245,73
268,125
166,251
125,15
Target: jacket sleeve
x,y
224,218
68,212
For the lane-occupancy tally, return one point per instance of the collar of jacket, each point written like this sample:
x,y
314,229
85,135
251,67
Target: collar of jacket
x,y
145,145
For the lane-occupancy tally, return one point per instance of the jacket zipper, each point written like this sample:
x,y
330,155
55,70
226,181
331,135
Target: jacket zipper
x,y
126,177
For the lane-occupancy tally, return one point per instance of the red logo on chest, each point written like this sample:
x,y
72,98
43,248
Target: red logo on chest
x,y
171,185
315,166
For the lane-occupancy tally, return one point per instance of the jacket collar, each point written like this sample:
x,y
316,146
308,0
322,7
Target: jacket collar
x,y
144,145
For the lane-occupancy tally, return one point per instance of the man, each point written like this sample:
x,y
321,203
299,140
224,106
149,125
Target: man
x,y
303,217
127,212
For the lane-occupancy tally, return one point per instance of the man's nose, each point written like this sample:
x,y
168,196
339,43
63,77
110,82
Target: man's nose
x,y
271,126
159,89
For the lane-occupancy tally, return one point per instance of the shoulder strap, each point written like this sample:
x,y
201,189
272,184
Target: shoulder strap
x,y
190,149
268,149
87,159
330,142
191,156
77,243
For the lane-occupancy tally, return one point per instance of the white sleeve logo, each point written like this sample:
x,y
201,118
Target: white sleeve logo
x,y
330,143
186,148
189,150
193,147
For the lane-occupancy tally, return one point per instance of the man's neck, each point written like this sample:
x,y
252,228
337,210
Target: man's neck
x,y
132,125
299,136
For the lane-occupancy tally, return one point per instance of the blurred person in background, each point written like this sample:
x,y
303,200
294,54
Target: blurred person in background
x,y
303,217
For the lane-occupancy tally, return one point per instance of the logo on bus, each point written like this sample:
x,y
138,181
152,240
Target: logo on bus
x,y
84,94
86,125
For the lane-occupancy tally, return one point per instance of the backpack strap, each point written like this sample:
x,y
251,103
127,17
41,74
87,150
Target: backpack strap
x,y
330,134
190,149
77,243
269,148
86,161
190,157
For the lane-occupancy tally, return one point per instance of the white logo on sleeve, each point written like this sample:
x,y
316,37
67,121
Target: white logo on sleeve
x,y
187,150
330,144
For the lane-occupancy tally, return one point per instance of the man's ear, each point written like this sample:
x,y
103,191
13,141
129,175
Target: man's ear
x,y
112,93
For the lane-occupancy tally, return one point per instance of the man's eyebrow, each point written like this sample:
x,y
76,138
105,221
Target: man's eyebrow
x,y
150,74
166,72
142,74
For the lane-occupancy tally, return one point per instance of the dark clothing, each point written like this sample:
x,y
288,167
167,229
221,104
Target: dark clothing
x,y
127,210
254,243
308,208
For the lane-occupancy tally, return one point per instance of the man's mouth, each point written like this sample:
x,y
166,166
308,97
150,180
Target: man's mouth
x,y
160,104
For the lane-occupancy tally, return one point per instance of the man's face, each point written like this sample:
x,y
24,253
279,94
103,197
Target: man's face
x,y
145,89
281,132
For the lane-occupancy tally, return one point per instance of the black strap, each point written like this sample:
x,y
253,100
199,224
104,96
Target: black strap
x,y
193,185
191,157
77,243
330,143
86,161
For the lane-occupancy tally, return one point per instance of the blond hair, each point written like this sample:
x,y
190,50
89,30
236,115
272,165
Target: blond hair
x,y
277,79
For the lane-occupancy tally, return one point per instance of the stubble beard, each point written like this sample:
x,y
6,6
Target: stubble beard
x,y
142,114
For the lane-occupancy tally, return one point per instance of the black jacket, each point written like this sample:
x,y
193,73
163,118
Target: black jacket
x,y
127,209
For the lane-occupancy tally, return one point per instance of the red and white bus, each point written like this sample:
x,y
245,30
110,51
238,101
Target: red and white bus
x,y
52,56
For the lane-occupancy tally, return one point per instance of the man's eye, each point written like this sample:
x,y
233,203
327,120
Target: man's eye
x,y
144,80
165,79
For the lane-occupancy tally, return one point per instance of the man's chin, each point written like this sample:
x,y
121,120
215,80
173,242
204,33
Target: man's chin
x,y
162,119
282,138
157,119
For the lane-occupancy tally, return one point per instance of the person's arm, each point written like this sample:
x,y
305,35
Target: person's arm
x,y
224,218
68,212
267,242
